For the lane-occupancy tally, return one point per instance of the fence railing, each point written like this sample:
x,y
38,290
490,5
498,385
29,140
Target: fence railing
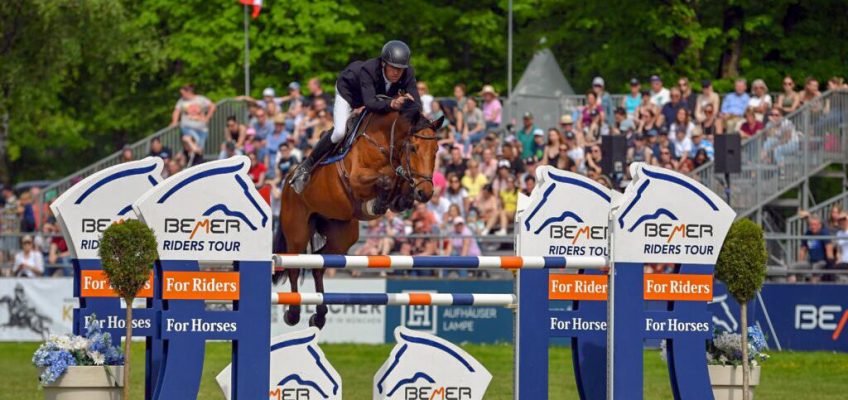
x,y
796,225
784,154
170,137
786,265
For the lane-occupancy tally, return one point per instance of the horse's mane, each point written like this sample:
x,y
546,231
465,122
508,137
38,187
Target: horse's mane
x,y
411,112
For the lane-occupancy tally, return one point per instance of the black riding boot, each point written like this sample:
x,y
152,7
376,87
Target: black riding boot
x,y
304,170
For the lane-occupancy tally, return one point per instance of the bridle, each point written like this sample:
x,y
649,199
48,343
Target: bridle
x,y
404,168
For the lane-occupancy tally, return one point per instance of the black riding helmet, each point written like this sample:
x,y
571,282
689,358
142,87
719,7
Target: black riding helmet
x,y
396,54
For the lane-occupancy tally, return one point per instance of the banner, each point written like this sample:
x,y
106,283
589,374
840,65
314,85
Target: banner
x,y
457,324
345,323
792,316
33,309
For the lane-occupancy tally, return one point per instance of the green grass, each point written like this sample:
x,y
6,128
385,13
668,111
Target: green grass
x,y
814,375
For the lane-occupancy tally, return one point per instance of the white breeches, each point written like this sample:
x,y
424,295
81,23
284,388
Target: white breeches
x,y
341,112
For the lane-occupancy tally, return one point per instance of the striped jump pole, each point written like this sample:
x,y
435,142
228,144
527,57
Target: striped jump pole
x,y
391,299
313,261
397,299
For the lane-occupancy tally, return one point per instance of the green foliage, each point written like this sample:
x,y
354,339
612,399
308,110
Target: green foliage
x,y
78,79
127,251
742,262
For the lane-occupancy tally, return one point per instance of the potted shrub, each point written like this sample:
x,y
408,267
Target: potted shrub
x,y
127,252
742,267
724,355
80,367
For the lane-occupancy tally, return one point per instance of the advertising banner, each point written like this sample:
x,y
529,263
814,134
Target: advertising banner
x,y
457,324
345,323
33,309
792,316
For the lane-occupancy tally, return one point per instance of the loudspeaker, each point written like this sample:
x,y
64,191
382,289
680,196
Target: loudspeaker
x,y
728,154
614,150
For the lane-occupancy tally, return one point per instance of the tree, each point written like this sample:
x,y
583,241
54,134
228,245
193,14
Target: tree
x,y
127,251
78,79
67,79
742,267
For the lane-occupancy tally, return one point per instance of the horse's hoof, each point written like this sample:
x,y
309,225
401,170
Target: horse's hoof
x,y
317,320
291,317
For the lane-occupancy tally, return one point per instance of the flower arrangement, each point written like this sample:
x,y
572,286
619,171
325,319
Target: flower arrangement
x,y
60,352
726,348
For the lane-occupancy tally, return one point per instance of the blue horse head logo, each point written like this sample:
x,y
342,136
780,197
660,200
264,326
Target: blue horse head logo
x,y
426,364
245,207
144,173
564,183
644,206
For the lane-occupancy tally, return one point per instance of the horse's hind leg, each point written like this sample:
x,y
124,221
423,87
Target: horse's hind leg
x,y
341,235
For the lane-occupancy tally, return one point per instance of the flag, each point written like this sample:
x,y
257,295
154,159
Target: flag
x,y
257,6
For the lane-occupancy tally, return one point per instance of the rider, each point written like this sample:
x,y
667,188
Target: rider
x,y
359,85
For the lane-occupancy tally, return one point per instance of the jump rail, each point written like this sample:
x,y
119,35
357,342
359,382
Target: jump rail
x,y
314,261
391,299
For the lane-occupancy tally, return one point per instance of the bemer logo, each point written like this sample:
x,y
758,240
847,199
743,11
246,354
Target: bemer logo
x,y
207,225
437,393
810,317
574,232
694,231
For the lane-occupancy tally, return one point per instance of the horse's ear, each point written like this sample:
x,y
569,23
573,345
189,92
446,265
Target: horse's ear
x,y
437,124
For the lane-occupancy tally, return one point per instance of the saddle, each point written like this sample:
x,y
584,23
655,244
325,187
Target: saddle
x,y
351,133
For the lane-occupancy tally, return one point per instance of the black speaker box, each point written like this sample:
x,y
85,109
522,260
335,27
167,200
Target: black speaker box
x,y
728,154
614,149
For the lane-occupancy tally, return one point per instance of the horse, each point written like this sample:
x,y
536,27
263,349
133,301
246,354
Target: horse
x,y
391,160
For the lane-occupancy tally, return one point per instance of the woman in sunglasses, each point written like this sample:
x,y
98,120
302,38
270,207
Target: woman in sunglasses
x,y
789,100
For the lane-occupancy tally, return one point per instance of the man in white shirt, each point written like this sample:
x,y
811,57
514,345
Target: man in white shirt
x,y
426,98
659,94
28,262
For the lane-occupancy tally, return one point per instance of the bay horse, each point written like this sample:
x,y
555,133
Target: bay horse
x,y
389,165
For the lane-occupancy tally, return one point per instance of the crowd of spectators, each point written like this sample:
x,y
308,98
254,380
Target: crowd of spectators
x,y
41,248
484,160
818,252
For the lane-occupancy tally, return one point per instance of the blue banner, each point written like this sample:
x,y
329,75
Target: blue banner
x,y
793,316
454,323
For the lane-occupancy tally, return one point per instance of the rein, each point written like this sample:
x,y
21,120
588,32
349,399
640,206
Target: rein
x,y
404,168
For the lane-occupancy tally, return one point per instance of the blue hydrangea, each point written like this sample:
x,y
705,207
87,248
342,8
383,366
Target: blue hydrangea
x,y
757,339
726,347
54,364
59,352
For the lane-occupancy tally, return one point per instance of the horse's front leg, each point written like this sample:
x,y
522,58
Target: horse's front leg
x,y
373,184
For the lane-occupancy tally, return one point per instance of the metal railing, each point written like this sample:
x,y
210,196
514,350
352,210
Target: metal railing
x,y
785,265
170,137
797,225
784,154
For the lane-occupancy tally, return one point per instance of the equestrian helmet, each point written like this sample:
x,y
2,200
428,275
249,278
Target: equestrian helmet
x,y
396,54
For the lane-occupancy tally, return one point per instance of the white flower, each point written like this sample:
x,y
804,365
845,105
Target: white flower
x,y
97,357
63,342
79,343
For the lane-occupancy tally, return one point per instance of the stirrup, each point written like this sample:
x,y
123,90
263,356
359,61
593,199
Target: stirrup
x,y
298,181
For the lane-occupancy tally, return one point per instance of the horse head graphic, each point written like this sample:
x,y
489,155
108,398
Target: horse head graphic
x,y
554,199
650,201
429,366
299,369
223,179
87,208
209,212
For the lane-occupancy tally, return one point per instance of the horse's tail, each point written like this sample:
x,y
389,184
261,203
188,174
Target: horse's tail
x,y
279,246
